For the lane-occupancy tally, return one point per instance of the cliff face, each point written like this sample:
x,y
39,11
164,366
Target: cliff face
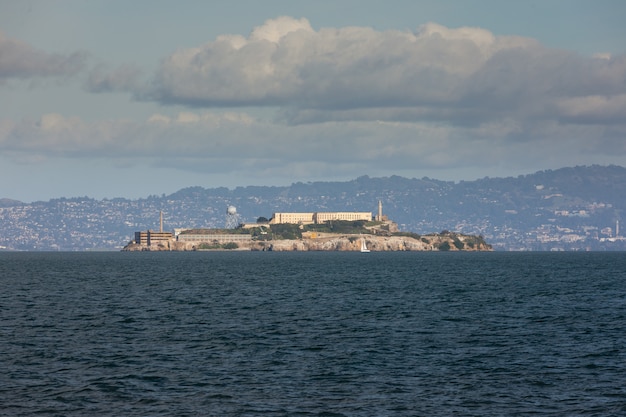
x,y
344,243
384,243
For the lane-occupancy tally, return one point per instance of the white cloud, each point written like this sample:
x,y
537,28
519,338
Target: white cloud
x,y
275,29
479,37
461,76
594,109
233,142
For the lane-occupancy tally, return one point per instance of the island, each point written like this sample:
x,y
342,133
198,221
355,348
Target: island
x,y
349,231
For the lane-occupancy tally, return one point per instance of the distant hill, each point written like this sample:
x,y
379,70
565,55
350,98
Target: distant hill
x,y
7,202
576,208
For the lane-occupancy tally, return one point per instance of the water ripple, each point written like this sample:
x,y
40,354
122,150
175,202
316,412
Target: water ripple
x,y
312,334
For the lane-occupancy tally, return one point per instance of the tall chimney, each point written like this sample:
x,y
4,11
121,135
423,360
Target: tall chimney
x,y
380,211
161,221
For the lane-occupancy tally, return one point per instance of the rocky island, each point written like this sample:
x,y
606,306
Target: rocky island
x,y
281,239
310,231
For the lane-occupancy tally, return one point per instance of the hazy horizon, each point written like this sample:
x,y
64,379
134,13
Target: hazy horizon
x,y
286,184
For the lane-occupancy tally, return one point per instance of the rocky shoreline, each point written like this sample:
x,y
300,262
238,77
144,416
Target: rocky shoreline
x,y
340,243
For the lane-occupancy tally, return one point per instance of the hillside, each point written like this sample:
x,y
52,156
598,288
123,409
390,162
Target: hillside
x,y
574,208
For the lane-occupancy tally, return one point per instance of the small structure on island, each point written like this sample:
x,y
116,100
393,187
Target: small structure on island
x,y
232,218
151,237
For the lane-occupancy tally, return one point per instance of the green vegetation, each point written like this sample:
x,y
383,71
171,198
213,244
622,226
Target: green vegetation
x,y
339,226
412,235
444,246
294,231
285,231
215,246
473,241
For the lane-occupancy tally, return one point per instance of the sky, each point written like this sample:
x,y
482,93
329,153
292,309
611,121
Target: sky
x,y
116,98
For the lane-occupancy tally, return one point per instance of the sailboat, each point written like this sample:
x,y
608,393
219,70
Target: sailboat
x,y
364,246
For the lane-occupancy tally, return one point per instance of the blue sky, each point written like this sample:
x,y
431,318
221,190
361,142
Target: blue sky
x,y
126,99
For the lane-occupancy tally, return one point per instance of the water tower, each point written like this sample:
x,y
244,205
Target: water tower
x,y
232,218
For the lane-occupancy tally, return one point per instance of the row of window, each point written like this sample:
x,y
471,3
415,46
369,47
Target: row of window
x,y
221,238
319,217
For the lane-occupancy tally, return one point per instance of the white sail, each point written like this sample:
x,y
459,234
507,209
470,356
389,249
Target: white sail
x,y
364,246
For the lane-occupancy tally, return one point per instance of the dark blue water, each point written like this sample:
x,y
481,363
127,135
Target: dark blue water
x,y
312,334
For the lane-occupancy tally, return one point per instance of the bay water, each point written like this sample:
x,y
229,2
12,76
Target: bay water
x,y
312,334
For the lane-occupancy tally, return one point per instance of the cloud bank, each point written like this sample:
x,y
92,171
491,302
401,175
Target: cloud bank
x,y
348,101
461,76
